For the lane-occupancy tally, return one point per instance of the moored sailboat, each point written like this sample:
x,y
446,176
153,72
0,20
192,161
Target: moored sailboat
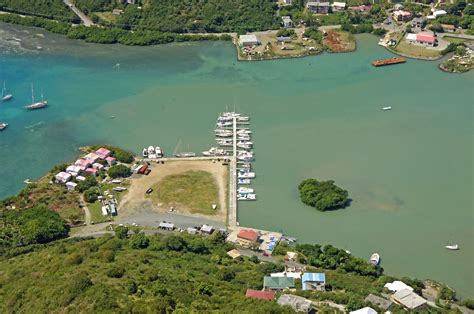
x,y
36,105
5,96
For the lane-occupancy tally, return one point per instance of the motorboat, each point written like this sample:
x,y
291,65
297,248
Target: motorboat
x,y
3,126
387,108
186,155
159,152
224,124
244,132
246,175
245,158
453,247
245,190
246,197
36,105
244,146
5,96
243,119
375,259
151,152
244,181
214,151
145,152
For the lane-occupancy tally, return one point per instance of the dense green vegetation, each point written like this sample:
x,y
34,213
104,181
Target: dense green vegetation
x,y
30,226
51,9
119,171
323,195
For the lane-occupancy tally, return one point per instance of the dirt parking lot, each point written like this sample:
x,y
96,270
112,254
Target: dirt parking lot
x,y
135,201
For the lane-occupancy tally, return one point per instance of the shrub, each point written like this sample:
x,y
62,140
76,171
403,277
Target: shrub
x,y
121,232
91,195
119,171
139,241
89,182
115,272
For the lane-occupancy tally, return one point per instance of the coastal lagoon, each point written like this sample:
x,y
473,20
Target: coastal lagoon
x,y
409,171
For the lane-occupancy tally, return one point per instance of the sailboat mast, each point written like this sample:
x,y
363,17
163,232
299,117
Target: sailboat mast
x,y
32,94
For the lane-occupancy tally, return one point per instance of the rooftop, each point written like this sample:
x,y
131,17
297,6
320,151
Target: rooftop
x,y
248,234
379,301
365,310
397,286
320,277
278,282
261,295
409,299
234,254
299,304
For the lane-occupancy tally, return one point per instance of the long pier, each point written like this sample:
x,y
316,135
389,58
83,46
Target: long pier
x,y
232,212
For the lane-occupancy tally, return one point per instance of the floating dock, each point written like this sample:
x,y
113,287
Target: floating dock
x,y
389,61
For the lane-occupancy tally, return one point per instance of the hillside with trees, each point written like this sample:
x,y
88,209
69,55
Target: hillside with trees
x,y
51,9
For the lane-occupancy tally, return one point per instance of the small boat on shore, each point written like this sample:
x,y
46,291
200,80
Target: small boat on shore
x,y
452,247
3,126
387,108
375,259
5,96
389,61
36,105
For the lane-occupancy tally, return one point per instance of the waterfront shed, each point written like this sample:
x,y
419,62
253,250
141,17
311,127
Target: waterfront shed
x,y
248,40
409,300
314,281
261,295
299,304
247,237
62,177
278,283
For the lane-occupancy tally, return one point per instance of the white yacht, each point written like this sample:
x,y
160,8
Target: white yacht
x,y
159,152
453,247
375,259
245,190
186,155
214,151
145,152
3,126
246,175
5,96
244,181
387,108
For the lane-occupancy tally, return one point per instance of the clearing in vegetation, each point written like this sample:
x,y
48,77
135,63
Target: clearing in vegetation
x,y
195,190
339,41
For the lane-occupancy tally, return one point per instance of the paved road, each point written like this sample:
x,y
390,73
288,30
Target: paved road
x,y
85,19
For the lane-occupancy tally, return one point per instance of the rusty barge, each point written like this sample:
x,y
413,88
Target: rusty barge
x,y
389,61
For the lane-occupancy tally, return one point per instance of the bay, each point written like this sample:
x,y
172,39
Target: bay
x,y
409,171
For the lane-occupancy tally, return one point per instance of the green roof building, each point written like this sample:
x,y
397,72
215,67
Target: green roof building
x,y
278,283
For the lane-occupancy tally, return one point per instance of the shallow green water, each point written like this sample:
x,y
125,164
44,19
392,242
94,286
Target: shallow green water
x,y
409,171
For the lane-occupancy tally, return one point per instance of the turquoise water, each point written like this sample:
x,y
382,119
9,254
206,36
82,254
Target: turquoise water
x,y
409,171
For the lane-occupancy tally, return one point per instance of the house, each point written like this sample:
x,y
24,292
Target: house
x,y
278,283
379,301
73,170
437,13
286,21
247,237
397,286
448,28
418,22
192,230
361,8
318,7
409,300
261,295
287,2
421,39
166,225
98,166
83,163
80,178
111,161
207,229
92,171
283,39
71,186
400,15
92,157
299,304
103,152
248,40
314,281
234,254
365,310
63,177
338,6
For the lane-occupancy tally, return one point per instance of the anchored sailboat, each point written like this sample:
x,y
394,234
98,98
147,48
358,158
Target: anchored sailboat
x,y
5,96
36,105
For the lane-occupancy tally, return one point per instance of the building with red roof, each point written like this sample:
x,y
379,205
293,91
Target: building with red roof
x,y
426,39
361,8
92,157
92,171
261,295
103,152
111,161
247,237
400,15
83,163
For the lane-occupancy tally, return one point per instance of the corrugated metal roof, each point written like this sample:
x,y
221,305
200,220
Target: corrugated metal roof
x,y
320,277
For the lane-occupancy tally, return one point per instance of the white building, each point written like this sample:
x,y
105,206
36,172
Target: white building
x,y
397,286
248,40
286,21
409,299
365,310
338,6
62,177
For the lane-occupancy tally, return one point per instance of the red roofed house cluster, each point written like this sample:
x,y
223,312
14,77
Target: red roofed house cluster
x,y
90,164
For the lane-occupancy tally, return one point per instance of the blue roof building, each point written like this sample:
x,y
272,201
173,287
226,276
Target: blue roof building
x,y
314,281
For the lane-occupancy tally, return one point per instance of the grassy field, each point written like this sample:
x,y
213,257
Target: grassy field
x,y
455,40
96,212
106,16
195,190
416,51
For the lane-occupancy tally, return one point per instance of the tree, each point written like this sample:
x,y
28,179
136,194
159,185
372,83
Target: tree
x,y
91,195
323,195
121,232
119,171
175,243
89,182
139,241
